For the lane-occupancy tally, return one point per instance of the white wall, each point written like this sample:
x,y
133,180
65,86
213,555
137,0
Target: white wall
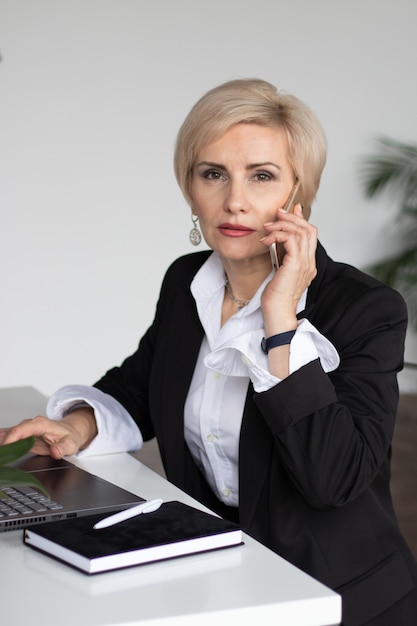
x,y
92,93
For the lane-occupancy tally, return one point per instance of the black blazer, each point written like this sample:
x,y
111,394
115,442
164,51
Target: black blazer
x,y
314,462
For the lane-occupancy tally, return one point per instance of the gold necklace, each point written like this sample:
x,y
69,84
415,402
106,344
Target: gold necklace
x,y
240,303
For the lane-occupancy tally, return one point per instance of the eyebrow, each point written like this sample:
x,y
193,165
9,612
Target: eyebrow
x,y
256,165
251,166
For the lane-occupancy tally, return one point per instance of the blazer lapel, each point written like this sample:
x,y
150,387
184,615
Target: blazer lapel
x,y
314,289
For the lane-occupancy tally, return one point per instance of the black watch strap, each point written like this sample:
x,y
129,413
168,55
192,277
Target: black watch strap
x,y
281,339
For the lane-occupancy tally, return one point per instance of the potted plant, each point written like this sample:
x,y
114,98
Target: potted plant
x,y
12,475
393,168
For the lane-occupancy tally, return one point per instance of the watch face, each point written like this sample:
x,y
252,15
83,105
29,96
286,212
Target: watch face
x,y
263,346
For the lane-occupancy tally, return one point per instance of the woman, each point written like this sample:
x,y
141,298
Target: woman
x,y
272,391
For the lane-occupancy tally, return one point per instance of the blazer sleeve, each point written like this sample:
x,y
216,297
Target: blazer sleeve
x,y
333,431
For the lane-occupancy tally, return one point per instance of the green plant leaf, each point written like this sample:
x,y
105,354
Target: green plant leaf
x,y
12,451
393,169
10,476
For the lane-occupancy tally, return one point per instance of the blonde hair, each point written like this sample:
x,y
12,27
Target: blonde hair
x,y
254,101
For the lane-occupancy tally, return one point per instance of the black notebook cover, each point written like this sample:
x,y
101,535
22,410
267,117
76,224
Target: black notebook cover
x,y
175,529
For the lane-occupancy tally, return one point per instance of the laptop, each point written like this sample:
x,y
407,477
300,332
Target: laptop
x,y
71,491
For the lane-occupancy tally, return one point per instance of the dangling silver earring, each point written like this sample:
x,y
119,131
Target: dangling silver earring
x,y
195,235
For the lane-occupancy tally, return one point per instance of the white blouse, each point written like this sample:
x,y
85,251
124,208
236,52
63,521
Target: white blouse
x,y
229,357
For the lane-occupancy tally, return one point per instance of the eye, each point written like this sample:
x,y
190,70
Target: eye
x,y
212,175
263,177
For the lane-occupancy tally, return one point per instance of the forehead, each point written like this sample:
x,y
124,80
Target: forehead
x,y
249,140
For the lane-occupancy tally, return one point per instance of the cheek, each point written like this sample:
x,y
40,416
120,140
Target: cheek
x,y
273,203
269,212
202,203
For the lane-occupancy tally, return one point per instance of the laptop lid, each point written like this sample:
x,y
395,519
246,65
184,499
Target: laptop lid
x,y
71,492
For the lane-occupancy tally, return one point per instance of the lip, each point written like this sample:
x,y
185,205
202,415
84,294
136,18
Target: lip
x,y
235,230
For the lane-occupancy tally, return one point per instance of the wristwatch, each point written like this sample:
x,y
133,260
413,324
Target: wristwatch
x,y
281,339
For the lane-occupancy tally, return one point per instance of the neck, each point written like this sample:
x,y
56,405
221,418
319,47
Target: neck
x,y
240,303
244,280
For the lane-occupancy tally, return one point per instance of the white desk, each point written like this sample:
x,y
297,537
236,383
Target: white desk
x,y
230,586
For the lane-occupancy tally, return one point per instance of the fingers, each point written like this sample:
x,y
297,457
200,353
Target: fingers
x,y
288,224
27,428
53,438
295,236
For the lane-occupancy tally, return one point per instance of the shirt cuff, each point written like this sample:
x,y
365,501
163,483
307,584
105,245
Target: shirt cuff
x,y
243,356
117,432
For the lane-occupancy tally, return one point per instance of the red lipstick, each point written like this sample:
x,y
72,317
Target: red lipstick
x,y
234,230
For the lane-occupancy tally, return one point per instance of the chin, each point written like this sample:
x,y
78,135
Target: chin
x,y
244,256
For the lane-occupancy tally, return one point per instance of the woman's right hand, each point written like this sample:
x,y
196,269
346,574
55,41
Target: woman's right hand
x,y
57,438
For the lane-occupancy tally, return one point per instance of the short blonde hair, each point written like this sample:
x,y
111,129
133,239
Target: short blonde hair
x,y
254,101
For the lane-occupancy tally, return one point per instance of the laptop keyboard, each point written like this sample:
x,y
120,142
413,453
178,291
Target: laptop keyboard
x,y
24,500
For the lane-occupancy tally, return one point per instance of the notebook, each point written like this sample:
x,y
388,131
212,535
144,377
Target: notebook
x,y
173,530
72,492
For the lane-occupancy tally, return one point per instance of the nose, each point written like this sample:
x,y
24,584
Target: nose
x,y
235,200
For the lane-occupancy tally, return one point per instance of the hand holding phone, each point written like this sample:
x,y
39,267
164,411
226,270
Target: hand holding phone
x,y
287,208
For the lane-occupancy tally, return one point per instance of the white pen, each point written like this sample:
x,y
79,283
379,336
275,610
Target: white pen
x,y
116,518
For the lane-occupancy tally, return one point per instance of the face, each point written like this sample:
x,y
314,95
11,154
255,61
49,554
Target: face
x,y
239,181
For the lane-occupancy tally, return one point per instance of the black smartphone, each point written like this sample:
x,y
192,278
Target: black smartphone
x,y
288,206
